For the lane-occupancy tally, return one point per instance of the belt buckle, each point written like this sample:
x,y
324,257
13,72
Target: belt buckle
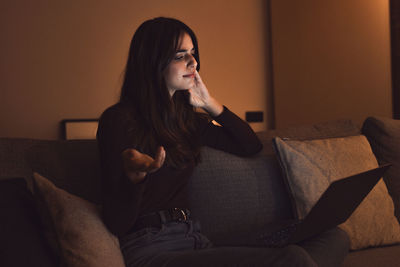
x,y
183,213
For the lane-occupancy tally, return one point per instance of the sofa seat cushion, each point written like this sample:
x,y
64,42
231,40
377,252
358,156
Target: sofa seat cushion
x,y
373,257
21,240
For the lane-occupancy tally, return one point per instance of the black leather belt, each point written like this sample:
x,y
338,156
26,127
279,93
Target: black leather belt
x,y
156,219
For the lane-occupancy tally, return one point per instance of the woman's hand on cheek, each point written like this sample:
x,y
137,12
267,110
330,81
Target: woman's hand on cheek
x,y
137,165
200,97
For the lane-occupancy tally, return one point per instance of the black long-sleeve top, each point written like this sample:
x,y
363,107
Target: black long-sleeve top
x,y
166,188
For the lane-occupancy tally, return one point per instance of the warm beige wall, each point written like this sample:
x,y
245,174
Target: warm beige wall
x,y
331,60
64,59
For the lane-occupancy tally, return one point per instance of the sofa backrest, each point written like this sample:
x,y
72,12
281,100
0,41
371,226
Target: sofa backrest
x,y
232,197
235,198
71,165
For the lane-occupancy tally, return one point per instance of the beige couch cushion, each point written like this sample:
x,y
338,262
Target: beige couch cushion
x,y
311,165
81,238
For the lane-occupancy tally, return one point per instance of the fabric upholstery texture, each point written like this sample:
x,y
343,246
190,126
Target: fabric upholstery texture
x,y
384,137
21,239
246,192
375,257
82,238
73,166
311,165
249,193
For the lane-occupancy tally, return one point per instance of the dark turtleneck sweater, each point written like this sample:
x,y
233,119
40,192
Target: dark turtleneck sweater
x,y
166,188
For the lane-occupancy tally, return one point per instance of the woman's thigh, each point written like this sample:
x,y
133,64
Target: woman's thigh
x,y
140,247
328,249
181,244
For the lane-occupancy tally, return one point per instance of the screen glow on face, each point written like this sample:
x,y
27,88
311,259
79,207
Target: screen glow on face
x,y
179,74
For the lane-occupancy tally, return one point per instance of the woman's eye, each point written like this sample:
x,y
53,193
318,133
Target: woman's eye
x,y
182,56
178,57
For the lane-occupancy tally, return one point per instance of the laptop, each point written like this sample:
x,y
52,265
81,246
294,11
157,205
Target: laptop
x,y
334,207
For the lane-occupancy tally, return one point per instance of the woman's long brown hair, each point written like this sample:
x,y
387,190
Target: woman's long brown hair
x,y
160,119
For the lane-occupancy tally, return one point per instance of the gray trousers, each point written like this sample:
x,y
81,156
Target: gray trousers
x,y
182,244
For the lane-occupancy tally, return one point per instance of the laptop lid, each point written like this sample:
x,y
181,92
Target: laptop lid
x,y
337,203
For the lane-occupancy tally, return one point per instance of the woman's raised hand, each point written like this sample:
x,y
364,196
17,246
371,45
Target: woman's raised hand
x,y
137,165
199,95
200,98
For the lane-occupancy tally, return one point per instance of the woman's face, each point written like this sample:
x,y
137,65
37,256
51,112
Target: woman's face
x,y
179,74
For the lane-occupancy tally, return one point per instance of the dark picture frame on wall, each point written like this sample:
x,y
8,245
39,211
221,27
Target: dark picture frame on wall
x,y
79,129
395,55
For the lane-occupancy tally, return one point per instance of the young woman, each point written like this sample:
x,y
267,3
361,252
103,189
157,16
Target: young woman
x,y
149,145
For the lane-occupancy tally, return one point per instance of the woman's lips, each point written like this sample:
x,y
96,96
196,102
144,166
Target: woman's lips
x,y
191,75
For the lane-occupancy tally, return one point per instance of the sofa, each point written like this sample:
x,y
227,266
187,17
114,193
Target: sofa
x,y
56,218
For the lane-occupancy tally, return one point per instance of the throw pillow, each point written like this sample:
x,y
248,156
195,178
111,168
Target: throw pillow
x,y
82,238
21,240
311,165
384,137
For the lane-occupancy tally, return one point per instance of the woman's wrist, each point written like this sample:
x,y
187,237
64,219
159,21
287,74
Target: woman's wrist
x,y
213,107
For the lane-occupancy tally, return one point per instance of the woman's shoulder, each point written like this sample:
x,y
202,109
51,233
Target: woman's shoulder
x,y
118,119
119,111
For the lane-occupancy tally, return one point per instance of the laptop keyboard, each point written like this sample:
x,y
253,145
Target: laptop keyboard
x,y
280,237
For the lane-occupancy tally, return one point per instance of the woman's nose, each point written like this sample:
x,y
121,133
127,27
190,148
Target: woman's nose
x,y
192,63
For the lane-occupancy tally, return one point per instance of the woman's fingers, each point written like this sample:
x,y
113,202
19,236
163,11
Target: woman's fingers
x,y
163,155
140,162
136,161
158,161
197,77
199,96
